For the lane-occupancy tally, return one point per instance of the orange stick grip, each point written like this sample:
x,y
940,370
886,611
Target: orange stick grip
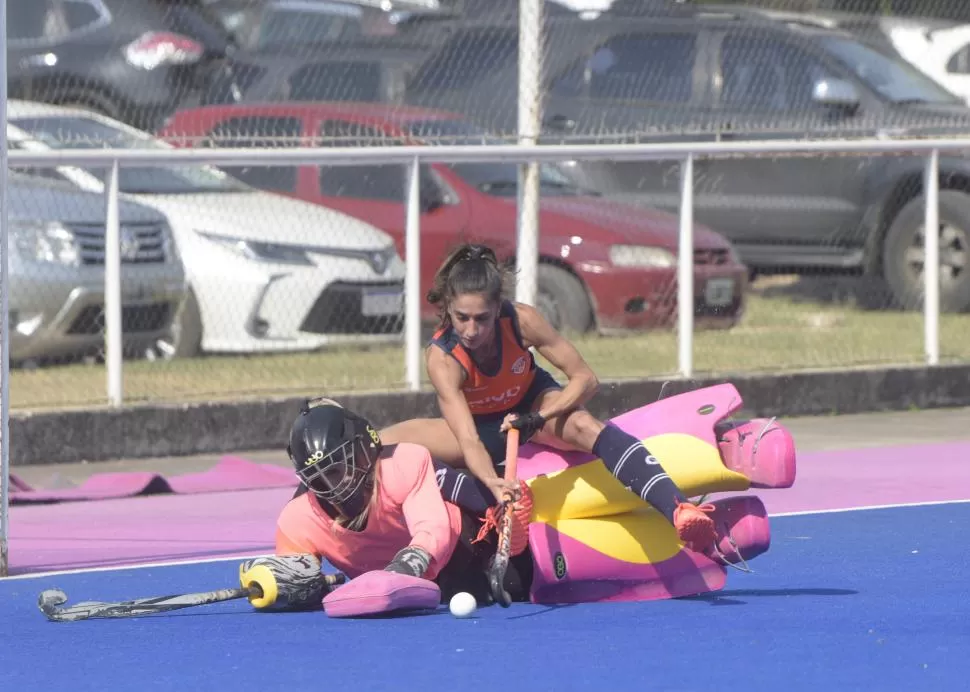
x,y
511,454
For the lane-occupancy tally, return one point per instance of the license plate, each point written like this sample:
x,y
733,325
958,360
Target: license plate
x,y
719,292
381,303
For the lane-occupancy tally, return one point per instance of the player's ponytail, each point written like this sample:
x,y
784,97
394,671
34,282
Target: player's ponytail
x,y
469,268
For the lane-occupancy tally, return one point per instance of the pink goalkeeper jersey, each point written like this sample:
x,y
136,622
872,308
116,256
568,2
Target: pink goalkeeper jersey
x,y
409,511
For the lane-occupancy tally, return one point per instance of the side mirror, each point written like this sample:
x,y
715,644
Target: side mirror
x,y
836,93
431,198
560,123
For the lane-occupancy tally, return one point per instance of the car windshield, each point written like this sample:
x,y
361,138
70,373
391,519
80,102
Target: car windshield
x,y
78,132
499,179
284,25
894,79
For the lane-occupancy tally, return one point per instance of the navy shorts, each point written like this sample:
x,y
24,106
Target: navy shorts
x,y
488,424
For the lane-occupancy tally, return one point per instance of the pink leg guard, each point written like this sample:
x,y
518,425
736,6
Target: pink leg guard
x,y
761,449
744,519
378,592
570,571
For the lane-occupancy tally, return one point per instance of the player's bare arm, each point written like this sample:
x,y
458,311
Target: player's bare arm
x,y
447,376
582,385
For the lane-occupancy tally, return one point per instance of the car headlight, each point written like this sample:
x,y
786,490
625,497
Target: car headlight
x,y
274,253
46,242
378,259
641,256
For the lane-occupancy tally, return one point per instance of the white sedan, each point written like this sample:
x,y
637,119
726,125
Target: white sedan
x,y
266,272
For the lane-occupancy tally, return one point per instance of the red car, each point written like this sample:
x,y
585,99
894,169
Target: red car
x,y
604,265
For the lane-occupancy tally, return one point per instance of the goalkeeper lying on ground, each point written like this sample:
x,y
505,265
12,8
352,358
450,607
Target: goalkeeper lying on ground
x,y
364,507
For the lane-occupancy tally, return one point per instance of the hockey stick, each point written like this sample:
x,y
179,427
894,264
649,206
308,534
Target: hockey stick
x,y
51,602
500,561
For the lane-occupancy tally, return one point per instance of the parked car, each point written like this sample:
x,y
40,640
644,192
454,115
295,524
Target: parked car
x,y
266,273
289,50
296,25
345,73
603,264
939,48
706,74
133,60
234,16
56,272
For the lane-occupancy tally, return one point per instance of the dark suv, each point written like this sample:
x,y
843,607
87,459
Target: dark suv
x,y
702,74
132,60
328,51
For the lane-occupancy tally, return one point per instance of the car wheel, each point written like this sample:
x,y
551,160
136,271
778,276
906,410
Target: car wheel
x,y
187,329
561,298
903,253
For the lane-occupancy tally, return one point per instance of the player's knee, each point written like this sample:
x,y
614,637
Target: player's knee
x,y
581,429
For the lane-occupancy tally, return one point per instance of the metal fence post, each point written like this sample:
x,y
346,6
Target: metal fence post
x,y
112,289
685,270
530,123
931,259
412,278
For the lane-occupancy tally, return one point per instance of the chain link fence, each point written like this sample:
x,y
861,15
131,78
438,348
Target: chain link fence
x,y
259,280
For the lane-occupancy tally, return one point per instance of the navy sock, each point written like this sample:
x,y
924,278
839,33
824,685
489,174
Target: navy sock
x,y
462,489
637,469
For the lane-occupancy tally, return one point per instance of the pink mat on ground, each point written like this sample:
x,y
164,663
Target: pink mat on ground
x,y
230,474
138,530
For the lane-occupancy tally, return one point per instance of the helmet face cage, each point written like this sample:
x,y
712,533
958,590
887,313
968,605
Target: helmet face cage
x,y
336,477
334,455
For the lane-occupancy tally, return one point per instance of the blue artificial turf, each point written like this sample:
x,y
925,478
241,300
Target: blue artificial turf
x,y
860,600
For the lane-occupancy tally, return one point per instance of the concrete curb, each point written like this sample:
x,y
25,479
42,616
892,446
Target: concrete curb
x,y
54,437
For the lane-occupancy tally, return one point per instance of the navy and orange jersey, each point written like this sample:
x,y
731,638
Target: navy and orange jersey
x,y
501,391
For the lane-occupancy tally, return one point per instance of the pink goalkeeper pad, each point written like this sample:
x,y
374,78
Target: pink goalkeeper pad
x,y
744,519
761,449
693,413
378,592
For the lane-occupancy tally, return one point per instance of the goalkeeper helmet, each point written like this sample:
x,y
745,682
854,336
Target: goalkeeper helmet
x,y
334,452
